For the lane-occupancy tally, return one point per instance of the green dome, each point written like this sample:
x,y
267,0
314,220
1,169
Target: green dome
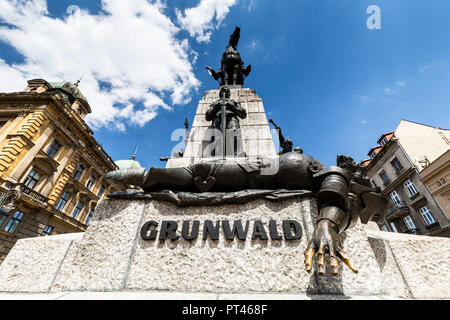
x,y
70,88
128,164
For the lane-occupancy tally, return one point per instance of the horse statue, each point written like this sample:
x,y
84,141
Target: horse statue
x,y
232,70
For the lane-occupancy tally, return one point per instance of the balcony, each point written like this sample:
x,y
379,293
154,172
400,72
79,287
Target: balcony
x,y
30,196
418,200
397,210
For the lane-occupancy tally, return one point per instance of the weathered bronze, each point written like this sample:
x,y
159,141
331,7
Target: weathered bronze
x,y
225,108
224,114
345,190
286,144
343,193
232,70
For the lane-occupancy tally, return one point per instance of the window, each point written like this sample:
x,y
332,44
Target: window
x,y
374,184
3,217
91,182
410,188
78,172
393,227
53,148
427,215
78,209
395,198
409,223
101,191
47,231
12,225
373,154
396,164
384,228
32,179
443,181
62,202
383,142
384,177
88,219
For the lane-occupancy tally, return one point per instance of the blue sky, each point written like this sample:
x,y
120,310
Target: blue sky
x,y
333,85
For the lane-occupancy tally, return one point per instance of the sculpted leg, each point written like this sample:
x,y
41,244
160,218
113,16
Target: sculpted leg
x,y
168,178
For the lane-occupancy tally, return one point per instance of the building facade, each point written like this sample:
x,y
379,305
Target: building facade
x,y
436,177
395,167
51,166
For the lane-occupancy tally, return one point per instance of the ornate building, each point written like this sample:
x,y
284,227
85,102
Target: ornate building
x,y
400,166
51,166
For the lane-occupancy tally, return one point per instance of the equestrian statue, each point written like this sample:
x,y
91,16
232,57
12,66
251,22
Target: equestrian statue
x,y
232,70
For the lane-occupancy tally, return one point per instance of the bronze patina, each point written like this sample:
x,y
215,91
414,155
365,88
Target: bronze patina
x,y
343,192
232,70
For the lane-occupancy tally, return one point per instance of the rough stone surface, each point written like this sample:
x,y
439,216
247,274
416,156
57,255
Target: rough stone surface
x,y
223,266
423,262
368,279
158,295
101,260
112,257
33,263
255,130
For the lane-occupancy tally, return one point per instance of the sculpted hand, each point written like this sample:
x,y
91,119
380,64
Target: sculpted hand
x,y
325,240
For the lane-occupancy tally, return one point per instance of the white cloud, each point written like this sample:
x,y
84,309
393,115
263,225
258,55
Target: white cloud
x,y
401,83
424,68
252,45
389,91
199,21
363,122
131,46
366,99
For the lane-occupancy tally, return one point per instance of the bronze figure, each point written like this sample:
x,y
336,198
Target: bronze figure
x,y
342,194
286,144
224,114
225,108
232,70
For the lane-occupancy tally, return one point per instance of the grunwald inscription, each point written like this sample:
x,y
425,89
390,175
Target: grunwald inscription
x,y
292,230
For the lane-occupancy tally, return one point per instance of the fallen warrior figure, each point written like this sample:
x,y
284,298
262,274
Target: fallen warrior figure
x,y
343,193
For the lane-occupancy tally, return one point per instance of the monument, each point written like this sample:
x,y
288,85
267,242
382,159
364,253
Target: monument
x,y
231,215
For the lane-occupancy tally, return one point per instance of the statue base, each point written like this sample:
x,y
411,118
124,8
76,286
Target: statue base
x,y
113,256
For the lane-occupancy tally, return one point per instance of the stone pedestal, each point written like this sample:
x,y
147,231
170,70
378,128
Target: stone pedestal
x,y
256,134
112,257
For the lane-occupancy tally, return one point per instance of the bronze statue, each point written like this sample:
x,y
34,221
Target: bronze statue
x,y
286,144
224,114
341,197
232,70
343,192
233,111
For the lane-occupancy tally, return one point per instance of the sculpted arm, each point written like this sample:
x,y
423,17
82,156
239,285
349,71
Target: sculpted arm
x,y
212,111
237,108
336,214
